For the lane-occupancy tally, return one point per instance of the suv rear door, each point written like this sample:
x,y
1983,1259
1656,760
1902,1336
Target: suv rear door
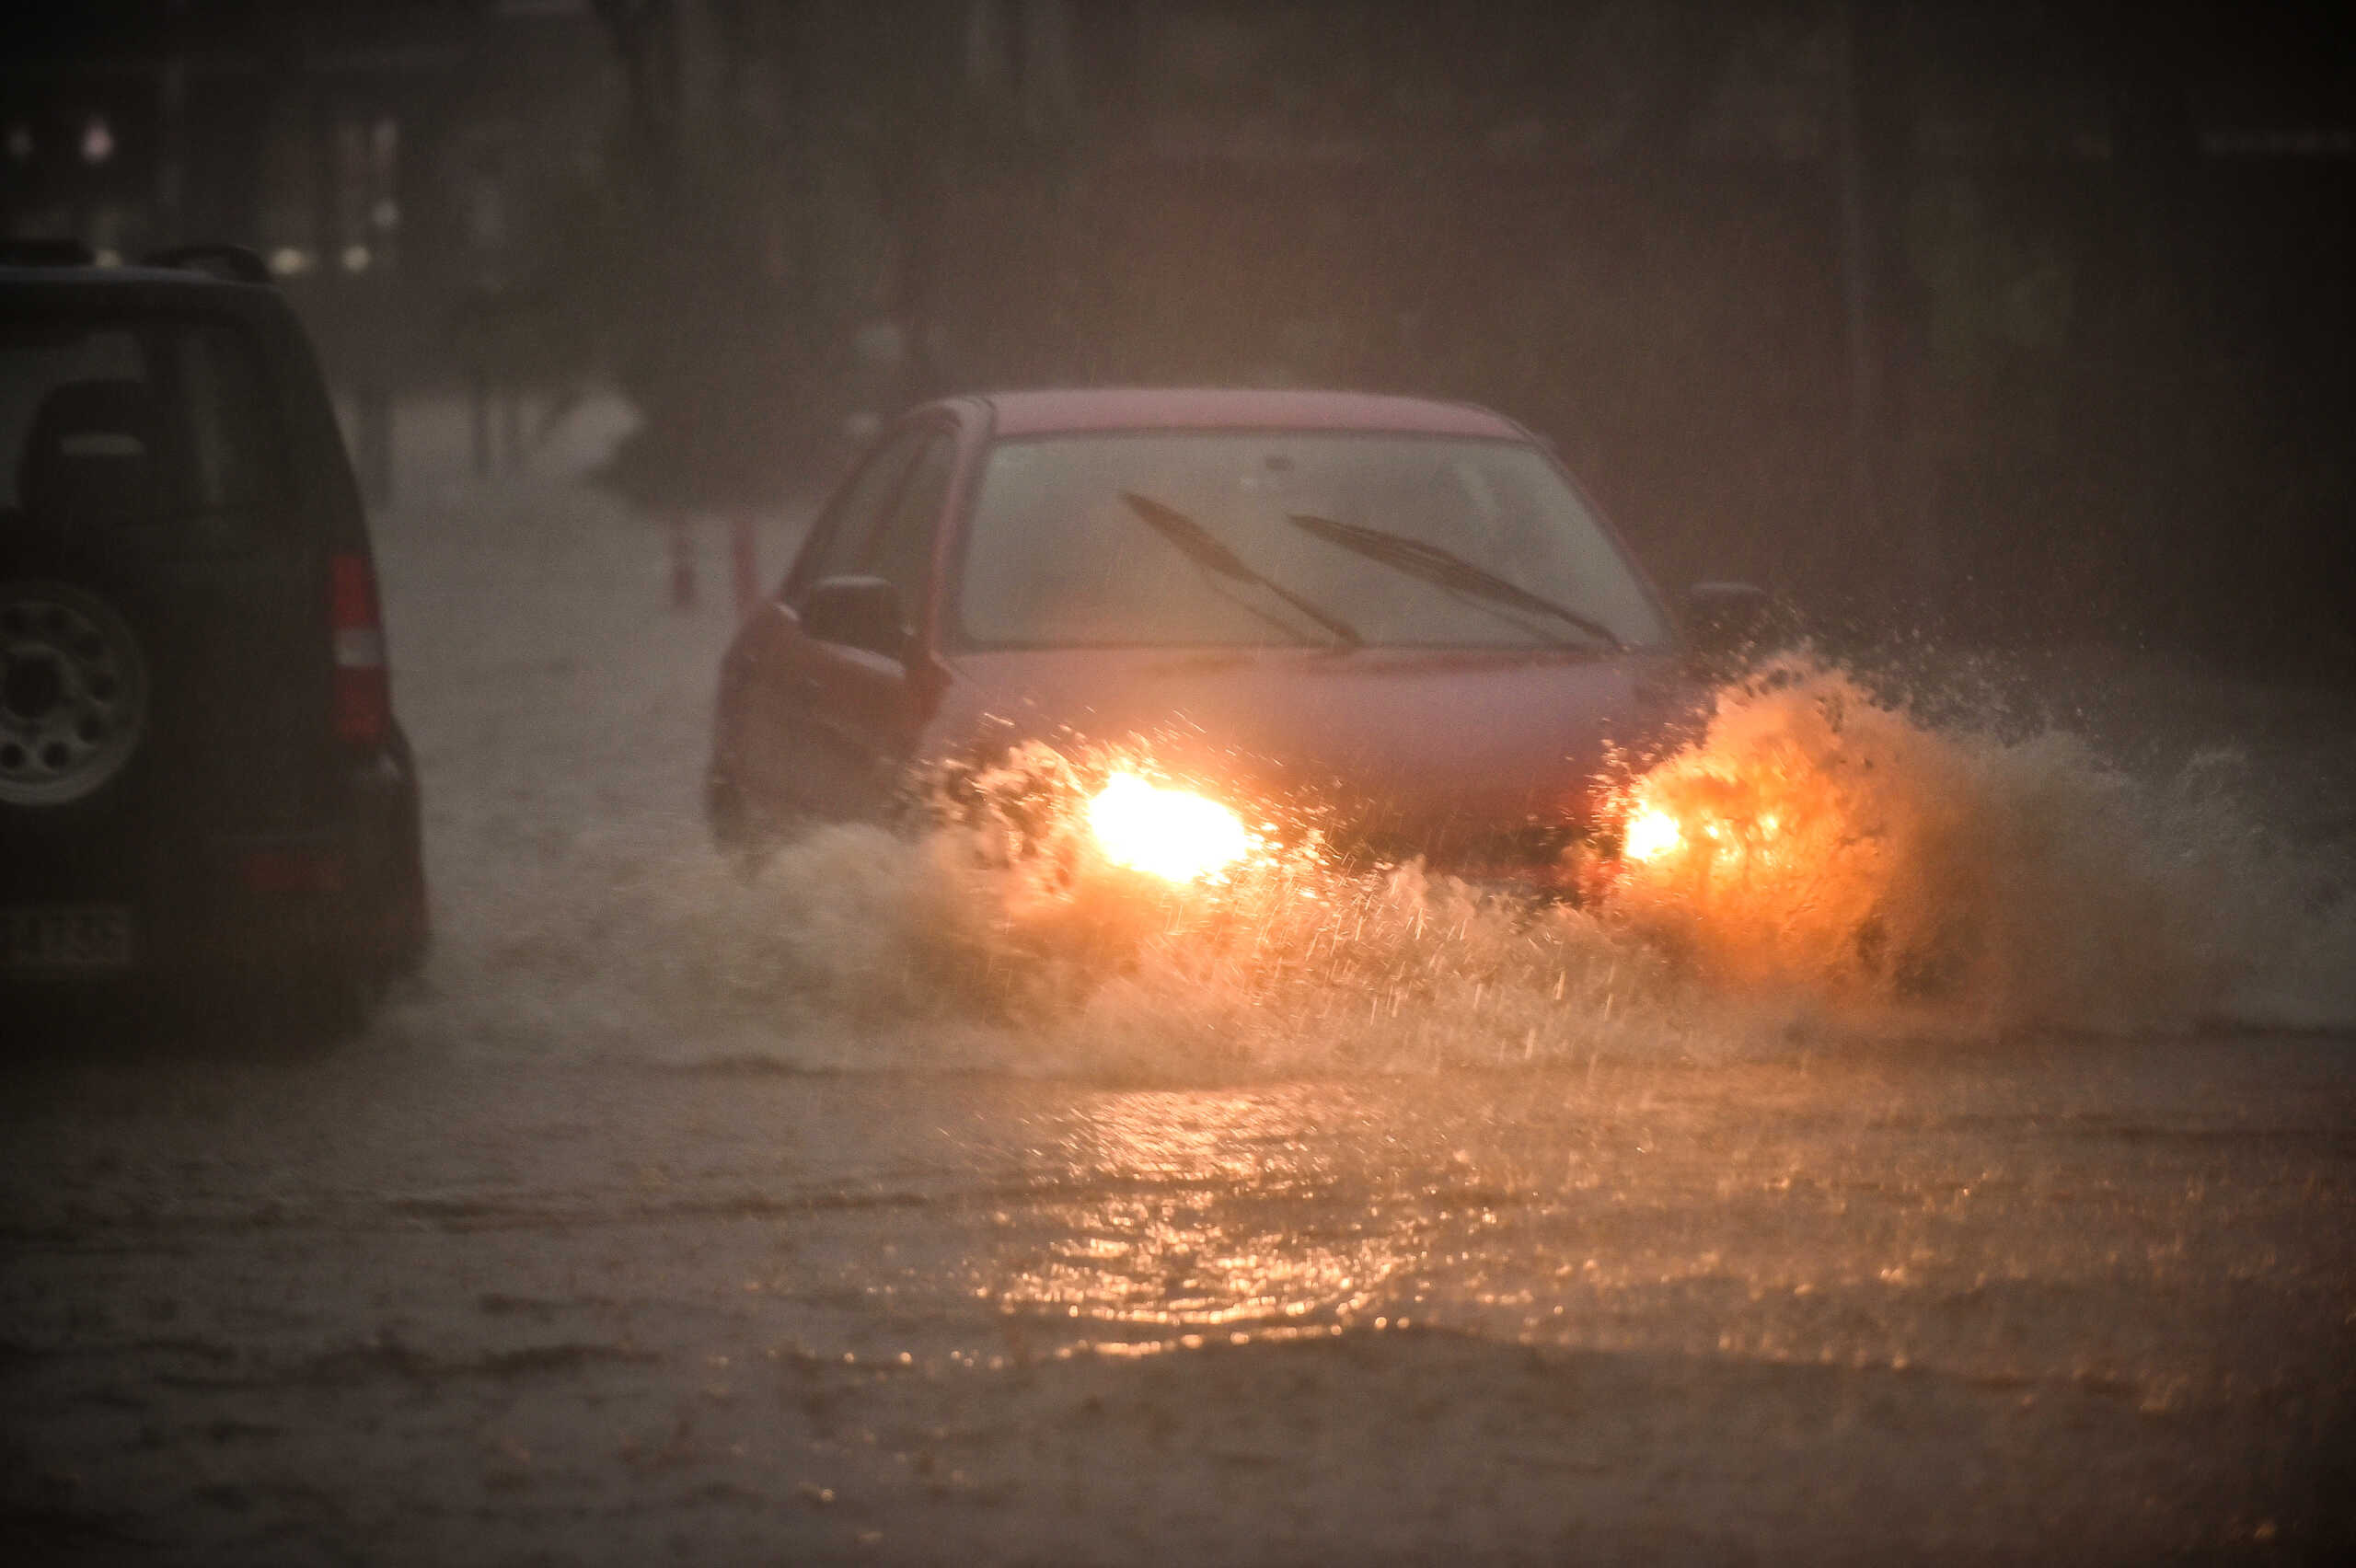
x,y
145,457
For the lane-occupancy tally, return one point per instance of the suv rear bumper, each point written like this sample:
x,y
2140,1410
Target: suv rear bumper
x,y
348,897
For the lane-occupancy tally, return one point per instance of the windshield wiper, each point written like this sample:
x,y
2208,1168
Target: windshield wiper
x,y
1198,544
1445,569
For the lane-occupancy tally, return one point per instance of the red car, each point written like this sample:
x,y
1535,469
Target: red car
x,y
1397,616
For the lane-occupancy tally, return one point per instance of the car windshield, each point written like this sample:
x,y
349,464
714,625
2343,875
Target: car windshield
x,y
1410,541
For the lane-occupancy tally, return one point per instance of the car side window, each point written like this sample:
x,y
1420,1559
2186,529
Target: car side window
x,y
847,530
228,489
902,554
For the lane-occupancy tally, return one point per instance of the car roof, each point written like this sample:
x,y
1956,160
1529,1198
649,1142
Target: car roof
x,y
1065,410
136,288
69,274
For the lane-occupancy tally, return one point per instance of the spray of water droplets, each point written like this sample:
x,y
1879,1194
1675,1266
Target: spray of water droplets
x,y
1841,871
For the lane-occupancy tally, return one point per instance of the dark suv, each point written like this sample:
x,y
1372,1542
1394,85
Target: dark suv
x,y
202,779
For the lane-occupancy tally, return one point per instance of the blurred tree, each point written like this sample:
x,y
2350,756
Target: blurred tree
x,y
1920,306
776,228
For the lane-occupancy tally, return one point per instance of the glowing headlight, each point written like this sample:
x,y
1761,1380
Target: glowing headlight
x,y
1650,834
1172,834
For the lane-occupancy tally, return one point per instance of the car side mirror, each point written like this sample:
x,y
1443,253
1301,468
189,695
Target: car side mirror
x,y
1723,616
859,612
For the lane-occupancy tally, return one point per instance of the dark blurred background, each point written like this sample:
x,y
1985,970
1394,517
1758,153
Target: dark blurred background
x,y
2010,321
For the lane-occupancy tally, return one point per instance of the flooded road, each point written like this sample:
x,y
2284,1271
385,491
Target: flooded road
x,y
676,1216
418,1307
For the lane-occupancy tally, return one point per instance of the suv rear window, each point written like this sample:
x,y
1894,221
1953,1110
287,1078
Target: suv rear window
x,y
155,428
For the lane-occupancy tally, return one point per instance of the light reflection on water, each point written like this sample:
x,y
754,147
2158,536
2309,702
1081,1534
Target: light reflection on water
x,y
1975,1219
1213,1238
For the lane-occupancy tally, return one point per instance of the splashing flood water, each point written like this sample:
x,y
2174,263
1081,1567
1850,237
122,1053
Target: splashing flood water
x,y
1823,865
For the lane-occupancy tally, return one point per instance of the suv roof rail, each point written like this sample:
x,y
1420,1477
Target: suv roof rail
x,y
17,252
230,263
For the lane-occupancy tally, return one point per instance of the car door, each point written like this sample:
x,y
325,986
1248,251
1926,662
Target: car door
x,y
846,717
152,476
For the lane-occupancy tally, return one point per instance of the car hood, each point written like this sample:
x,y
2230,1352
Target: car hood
x,y
1439,750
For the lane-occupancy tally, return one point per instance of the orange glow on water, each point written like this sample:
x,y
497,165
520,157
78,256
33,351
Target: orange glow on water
x,y
1172,834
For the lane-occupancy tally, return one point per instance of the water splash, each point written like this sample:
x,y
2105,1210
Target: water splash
x,y
1835,846
1843,870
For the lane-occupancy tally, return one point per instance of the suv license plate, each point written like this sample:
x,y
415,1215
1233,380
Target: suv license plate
x,y
79,939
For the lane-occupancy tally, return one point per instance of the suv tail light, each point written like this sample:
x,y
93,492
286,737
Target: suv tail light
x,y
362,699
